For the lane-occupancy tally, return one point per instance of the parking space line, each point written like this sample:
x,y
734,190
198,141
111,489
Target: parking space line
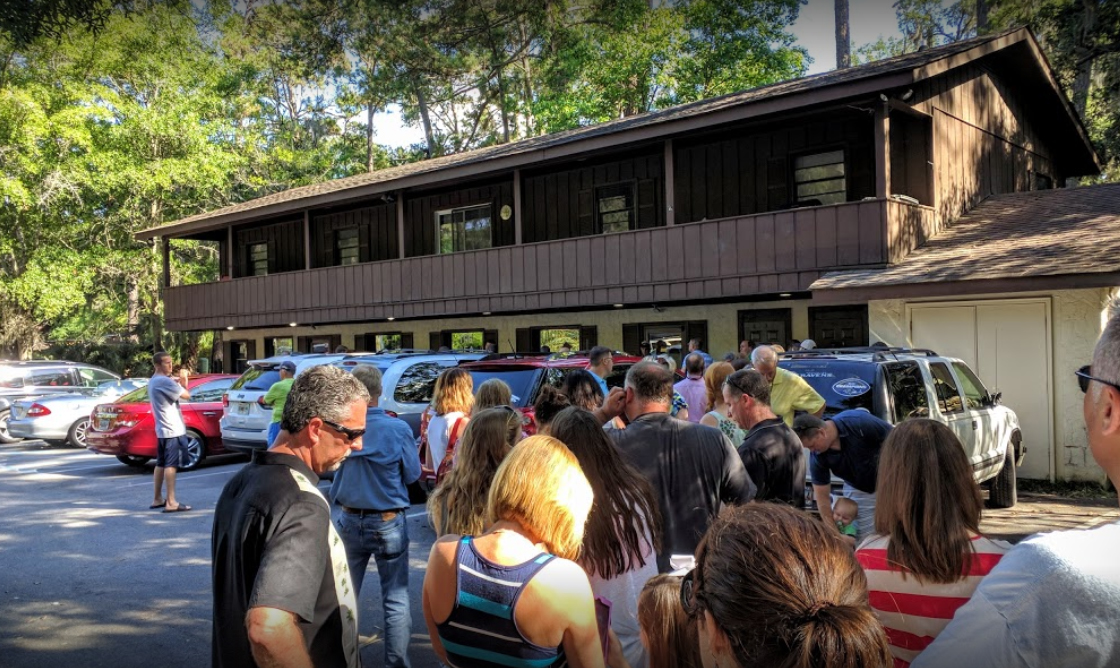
x,y
180,477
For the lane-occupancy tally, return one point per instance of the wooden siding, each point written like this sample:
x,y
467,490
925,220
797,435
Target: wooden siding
x,y
285,246
420,236
983,143
377,234
730,258
908,227
560,204
750,170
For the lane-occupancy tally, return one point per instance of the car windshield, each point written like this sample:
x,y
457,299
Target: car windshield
x,y
844,385
256,378
137,396
521,381
114,388
11,377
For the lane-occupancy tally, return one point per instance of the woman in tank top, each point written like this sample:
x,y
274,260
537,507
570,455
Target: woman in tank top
x,y
716,416
512,597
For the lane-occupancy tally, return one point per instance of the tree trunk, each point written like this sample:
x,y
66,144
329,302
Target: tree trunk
x,y
133,317
369,136
190,351
422,103
843,36
981,17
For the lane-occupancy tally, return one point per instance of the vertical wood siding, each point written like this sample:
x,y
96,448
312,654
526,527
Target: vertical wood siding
x,y
420,236
377,233
285,246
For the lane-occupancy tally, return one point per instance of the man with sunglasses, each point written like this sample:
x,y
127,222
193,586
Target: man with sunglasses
x,y
370,493
283,595
1054,599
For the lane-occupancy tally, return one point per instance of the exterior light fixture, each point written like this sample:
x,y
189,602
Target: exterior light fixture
x,y
785,294
486,313
619,305
229,327
292,324
391,318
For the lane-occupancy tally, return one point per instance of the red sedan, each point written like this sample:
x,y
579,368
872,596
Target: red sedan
x,y
127,429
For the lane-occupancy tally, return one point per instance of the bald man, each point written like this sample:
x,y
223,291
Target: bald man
x,y
788,391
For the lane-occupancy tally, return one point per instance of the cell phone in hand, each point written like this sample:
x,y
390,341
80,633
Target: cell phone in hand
x,y
603,619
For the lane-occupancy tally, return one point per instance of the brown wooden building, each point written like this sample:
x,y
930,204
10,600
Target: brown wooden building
x,y
711,219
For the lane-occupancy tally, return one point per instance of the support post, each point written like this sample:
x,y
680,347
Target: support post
x,y
306,239
882,151
517,207
230,256
670,216
400,224
166,261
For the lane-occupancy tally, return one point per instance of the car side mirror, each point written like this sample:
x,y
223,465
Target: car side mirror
x,y
994,398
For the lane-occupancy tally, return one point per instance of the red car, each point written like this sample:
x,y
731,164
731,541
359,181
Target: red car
x,y
127,429
526,374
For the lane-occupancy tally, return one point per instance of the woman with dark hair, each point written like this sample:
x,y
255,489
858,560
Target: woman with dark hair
x,y
623,532
458,505
582,389
550,401
775,587
927,555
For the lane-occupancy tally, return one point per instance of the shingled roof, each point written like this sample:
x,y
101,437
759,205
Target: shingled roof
x,y
1068,232
834,85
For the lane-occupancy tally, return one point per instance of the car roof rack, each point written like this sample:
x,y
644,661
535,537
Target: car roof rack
x,y
880,353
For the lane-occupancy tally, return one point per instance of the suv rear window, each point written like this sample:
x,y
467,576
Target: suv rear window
x,y
256,378
522,381
844,385
417,382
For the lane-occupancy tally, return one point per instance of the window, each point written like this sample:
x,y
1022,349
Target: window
x,y
280,345
346,246
258,259
819,178
948,397
57,378
466,340
94,377
908,390
614,208
464,229
416,383
387,342
974,392
210,392
554,338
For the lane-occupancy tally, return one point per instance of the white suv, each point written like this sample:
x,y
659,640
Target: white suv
x,y
898,383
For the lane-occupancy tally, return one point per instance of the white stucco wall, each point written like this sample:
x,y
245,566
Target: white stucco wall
x,y
1078,317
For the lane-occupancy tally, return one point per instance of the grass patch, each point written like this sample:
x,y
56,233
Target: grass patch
x,y
1069,490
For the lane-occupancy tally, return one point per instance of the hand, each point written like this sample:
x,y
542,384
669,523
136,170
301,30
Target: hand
x,y
614,403
184,376
615,657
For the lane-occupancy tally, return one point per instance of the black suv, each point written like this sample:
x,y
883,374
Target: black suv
x,y
896,384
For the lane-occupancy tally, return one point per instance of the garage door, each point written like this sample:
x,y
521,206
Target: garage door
x,y
1007,343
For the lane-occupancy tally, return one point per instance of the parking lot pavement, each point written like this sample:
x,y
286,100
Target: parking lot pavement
x,y
89,576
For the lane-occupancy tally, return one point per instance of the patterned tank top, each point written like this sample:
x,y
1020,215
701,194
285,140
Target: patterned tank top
x,y
481,631
729,428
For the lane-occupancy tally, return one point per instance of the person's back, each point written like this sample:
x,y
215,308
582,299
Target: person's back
x,y
693,470
692,388
776,462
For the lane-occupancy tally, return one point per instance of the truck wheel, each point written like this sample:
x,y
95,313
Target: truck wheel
x,y
1003,492
5,437
77,435
135,461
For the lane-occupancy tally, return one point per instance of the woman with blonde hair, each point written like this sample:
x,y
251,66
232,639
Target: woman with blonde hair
x,y
445,419
667,632
491,393
775,587
513,595
714,377
458,505
927,555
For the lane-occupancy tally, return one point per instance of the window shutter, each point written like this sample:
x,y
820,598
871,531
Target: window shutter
x,y
363,240
647,205
588,337
631,338
587,220
695,329
777,183
269,347
271,257
434,340
406,340
524,344
303,344
491,336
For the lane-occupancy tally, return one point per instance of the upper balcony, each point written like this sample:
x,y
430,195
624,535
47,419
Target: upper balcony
x,y
730,258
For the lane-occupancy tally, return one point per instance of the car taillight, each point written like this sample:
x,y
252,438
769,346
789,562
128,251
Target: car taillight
x,y
225,401
260,401
38,410
127,419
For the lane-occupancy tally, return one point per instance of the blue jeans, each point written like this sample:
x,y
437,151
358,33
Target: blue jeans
x,y
387,543
273,432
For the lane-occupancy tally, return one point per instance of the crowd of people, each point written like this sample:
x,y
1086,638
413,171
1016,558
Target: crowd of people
x,y
621,535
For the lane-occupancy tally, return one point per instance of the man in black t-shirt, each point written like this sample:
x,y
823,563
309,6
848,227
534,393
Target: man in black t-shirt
x,y
282,590
771,452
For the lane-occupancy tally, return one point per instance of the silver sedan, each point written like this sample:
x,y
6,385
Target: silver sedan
x,y
65,417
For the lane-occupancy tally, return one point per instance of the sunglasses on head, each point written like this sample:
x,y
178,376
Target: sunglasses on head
x,y
1084,375
688,593
350,434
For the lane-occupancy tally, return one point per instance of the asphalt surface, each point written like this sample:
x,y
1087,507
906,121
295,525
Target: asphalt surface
x,y
89,576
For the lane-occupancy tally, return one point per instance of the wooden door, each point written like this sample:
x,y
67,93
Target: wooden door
x,y
771,325
838,326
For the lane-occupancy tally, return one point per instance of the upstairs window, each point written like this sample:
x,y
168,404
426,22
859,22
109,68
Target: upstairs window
x,y
464,229
819,178
614,207
346,246
258,259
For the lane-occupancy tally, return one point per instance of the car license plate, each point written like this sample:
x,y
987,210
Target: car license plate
x,y
102,424
243,408
18,410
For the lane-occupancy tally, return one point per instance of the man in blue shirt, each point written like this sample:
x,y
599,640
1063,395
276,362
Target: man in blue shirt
x,y
694,347
848,445
600,363
371,491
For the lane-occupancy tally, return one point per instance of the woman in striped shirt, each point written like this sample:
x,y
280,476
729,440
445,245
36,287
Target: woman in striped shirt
x,y
927,554
512,597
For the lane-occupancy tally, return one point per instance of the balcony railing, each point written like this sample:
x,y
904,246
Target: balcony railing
x,y
717,259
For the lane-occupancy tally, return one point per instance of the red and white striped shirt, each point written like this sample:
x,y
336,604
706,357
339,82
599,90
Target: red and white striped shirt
x,y
912,612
